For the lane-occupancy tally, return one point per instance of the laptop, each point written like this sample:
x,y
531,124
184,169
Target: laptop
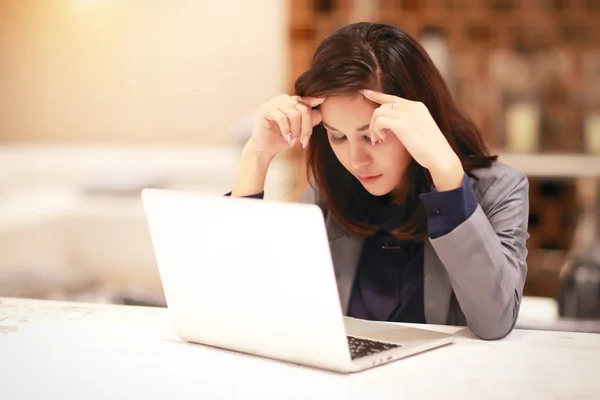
x,y
256,276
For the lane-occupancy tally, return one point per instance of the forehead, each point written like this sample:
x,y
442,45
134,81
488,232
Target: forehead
x,y
347,111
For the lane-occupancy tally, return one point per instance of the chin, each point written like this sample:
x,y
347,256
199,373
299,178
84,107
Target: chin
x,y
377,190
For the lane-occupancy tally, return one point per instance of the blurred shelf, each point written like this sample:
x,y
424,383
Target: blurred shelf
x,y
541,313
554,165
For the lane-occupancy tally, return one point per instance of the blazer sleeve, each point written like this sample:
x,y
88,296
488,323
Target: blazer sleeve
x,y
485,257
448,209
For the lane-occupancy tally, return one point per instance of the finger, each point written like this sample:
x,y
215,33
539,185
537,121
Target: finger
x,y
395,106
377,137
376,134
294,117
382,136
306,124
307,128
272,113
311,101
398,114
382,98
292,108
383,111
387,111
386,123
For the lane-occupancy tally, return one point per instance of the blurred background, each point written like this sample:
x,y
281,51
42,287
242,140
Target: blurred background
x,y
101,98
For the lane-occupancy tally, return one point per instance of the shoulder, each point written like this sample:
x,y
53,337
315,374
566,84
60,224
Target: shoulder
x,y
499,183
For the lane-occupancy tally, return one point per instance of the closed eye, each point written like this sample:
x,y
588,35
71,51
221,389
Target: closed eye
x,y
337,139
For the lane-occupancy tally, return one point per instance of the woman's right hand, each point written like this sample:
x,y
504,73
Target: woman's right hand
x,y
284,121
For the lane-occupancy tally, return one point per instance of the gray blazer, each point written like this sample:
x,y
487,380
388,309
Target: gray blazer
x,y
474,275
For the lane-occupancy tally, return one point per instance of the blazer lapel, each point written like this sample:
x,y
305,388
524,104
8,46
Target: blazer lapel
x,y
437,287
345,255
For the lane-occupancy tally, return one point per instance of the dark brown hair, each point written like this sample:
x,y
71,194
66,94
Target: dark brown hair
x,y
382,57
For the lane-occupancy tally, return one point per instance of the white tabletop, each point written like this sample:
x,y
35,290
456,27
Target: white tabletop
x,y
59,350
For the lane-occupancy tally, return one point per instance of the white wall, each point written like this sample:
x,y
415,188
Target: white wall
x,y
177,71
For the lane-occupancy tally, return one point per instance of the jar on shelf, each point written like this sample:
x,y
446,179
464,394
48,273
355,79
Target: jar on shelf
x,y
521,121
591,126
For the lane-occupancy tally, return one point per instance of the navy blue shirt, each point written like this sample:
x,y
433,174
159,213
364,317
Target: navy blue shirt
x,y
389,279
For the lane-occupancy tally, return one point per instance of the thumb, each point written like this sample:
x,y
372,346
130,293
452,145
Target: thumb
x,y
316,117
312,101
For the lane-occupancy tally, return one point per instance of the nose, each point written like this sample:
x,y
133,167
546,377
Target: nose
x,y
359,156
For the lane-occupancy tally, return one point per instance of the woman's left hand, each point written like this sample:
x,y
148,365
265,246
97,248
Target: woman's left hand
x,y
413,125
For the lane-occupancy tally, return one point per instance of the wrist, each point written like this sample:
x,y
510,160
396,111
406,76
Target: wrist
x,y
448,175
259,157
252,172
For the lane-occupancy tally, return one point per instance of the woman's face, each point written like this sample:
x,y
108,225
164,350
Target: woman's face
x,y
378,167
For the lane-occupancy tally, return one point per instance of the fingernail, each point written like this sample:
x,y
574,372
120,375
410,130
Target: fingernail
x,y
367,91
304,142
293,142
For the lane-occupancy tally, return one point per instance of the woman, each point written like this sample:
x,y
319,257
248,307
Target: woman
x,y
425,226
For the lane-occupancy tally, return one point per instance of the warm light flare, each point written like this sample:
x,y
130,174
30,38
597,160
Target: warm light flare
x,y
89,2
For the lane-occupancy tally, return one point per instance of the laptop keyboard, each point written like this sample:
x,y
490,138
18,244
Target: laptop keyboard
x,y
365,347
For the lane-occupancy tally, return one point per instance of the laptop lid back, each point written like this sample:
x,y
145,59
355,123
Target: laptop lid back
x,y
249,275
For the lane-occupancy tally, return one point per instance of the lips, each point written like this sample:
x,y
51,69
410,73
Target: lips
x,y
368,178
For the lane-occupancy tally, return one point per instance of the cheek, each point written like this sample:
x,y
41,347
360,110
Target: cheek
x,y
392,155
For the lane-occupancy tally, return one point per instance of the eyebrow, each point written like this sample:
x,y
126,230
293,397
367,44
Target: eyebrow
x,y
360,129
